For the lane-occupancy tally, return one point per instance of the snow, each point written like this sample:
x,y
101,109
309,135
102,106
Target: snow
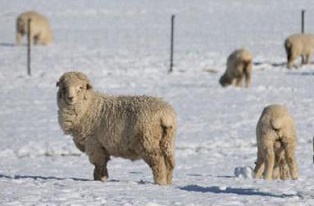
x,y
123,46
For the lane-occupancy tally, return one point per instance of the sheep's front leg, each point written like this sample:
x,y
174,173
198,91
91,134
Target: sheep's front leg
x,y
99,157
269,160
19,38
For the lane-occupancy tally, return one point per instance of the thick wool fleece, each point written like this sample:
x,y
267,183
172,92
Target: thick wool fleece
x,y
276,142
131,127
40,29
299,45
239,65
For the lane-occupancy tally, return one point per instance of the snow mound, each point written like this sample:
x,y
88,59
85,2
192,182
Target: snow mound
x,y
244,172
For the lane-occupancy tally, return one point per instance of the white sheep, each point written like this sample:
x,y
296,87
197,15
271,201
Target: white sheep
x,y
276,143
299,45
40,29
131,127
239,64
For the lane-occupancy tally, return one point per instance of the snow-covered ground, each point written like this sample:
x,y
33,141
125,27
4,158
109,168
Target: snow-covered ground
x,y
123,46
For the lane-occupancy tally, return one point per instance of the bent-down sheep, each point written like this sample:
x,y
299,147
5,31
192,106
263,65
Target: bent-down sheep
x,y
276,143
239,64
131,127
299,45
40,29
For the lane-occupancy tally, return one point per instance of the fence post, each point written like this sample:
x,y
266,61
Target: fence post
x,y
313,150
29,47
171,43
302,21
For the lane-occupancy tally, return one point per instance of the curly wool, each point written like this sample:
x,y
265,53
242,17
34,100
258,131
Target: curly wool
x,y
239,65
131,127
40,29
276,142
299,45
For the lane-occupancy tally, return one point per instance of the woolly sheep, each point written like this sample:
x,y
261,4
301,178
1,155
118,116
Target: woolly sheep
x,y
40,29
239,64
276,143
131,127
299,45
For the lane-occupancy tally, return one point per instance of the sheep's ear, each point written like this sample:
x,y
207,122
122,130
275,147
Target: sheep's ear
x,y
89,86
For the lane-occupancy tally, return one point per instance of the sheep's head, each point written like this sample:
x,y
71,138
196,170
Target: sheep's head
x,y
225,80
73,87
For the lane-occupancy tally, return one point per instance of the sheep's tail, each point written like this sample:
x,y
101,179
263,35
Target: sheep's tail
x,y
277,123
167,142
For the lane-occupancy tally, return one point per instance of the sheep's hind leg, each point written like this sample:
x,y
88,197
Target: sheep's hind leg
x,y
170,163
269,160
158,166
290,158
259,168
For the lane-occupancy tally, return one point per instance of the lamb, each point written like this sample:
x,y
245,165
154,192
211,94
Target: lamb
x,y
131,127
276,143
239,64
299,45
40,28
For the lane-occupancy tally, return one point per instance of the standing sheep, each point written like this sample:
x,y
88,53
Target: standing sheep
x,y
276,142
131,127
239,64
40,30
299,45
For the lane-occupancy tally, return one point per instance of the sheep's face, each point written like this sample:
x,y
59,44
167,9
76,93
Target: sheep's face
x,y
72,92
225,80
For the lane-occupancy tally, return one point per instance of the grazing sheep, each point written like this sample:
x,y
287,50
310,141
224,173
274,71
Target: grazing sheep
x,y
40,29
299,45
239,64
276,142
131,127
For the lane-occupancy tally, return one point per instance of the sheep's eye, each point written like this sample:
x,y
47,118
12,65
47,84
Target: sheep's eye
x,y
64,90
80,88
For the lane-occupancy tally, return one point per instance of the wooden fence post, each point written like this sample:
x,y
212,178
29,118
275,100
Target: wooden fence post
x,y
171,43
29,47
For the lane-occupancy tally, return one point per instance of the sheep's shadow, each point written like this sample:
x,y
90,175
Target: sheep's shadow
x,y
273,64
4,44
236,191
36,177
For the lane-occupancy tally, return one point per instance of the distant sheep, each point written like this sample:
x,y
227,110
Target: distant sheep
x,y
40,28
299,45
239,64
131,127
276,143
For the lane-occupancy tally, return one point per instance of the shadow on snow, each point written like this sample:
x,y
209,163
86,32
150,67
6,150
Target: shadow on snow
x,y
236,191
16,177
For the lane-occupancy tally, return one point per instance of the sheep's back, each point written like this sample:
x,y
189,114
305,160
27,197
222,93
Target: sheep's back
x,y
129,121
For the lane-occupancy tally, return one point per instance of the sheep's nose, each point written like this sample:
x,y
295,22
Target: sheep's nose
x,y
70,98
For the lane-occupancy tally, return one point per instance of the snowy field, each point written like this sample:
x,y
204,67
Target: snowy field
x,y
123,46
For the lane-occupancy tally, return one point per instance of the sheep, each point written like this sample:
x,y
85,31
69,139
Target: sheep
x,y
239,64
276,143
40,29
130,127
299,45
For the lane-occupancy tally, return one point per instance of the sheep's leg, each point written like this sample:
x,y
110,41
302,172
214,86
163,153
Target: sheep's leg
x,y
170,162
290,158
269,160
259,167
19,37
247,77
239,81
157,164
307,59
99,157
291,58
